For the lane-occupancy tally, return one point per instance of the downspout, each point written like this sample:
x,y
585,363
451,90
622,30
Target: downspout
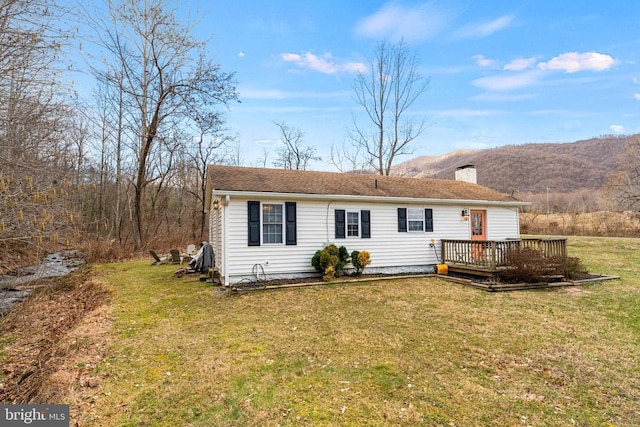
x,y
327,220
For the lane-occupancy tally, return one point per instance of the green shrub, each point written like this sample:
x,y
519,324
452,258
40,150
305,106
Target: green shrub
x,y
331,261
360,260
328,261
315,261
343,260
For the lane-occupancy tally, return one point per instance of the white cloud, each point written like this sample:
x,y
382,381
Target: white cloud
x,y
323,64
241,54
511,82
572,62
481,61
486,28
637,96
396,21
520,64
616,128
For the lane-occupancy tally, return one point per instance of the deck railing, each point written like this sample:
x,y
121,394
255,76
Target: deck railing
x,y
491,254
556,247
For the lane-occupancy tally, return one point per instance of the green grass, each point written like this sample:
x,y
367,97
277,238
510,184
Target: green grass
x,y
405,352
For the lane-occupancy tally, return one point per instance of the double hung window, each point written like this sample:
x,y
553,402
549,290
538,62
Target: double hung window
x,y
352,224
415,219
271,223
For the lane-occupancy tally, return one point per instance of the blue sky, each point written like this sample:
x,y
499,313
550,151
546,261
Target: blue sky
x,y
502,72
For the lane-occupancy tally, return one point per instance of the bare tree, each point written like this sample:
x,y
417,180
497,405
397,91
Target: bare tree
x,y
235,155
386,91
41,149
294,155
625,186
32,111
205,150
348,159
167,81
264,159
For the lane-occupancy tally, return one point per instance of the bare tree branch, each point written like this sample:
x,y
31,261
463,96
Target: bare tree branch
x,y
386,91
293,155
166,81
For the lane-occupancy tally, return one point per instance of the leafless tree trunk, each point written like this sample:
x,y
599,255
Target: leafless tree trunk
x,y
349,159
38,153
236,156
162,85
264,159
387,91
204,151
293,155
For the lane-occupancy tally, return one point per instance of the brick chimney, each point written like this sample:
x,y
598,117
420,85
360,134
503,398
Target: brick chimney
x,y
467,173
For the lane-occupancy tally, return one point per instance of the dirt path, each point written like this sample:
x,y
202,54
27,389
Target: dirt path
x,y
52,344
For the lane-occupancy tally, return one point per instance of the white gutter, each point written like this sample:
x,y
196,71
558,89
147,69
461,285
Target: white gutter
x,y
386,199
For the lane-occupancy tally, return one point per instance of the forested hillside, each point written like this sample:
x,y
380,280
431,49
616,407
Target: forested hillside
x,y
530,168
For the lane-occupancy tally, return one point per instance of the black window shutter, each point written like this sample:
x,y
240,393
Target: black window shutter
x,y
365,220
290,220
402,219
340,224
428,220
253,215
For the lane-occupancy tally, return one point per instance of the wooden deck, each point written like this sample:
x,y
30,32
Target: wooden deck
x,y
488,257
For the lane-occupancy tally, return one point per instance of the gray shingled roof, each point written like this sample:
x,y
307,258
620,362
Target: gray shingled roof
x,y
234,178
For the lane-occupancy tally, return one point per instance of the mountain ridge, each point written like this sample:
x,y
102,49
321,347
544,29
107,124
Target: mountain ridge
x,y
529,168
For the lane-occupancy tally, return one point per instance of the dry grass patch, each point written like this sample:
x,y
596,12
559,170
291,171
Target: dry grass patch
x,y
413,351
41,337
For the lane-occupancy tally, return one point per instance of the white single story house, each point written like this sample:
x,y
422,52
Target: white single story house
x,y
268,223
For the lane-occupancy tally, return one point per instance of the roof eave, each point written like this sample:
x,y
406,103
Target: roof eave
x,y
378,199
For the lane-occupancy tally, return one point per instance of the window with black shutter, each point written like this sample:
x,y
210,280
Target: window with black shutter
x,y
271,223
415,220
340,216
290,221
365,220
428,220
402,220
253,216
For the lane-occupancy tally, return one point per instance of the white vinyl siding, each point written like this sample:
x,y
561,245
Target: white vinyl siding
x,y
215,236
502,223
316,227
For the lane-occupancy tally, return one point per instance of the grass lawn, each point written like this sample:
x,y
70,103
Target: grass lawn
x,y
404,352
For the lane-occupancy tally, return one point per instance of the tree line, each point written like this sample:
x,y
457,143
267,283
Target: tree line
x,y
129,165
126,166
